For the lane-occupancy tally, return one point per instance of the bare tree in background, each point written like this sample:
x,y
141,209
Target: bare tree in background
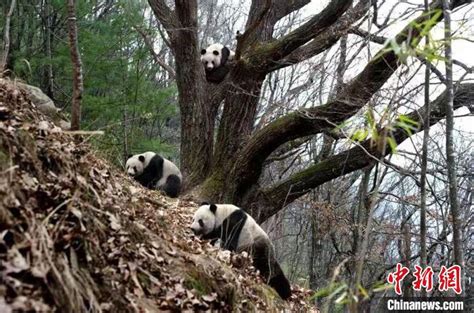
x,y
76,67
424,161
6,38
450,157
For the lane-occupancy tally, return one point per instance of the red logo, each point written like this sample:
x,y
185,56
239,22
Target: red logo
x,y
450,278
397,277
423,278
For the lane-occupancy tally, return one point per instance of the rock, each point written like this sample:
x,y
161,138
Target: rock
x,y
45,104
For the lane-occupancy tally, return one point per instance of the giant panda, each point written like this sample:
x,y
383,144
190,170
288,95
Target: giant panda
x,y
155,172
235,230
214,59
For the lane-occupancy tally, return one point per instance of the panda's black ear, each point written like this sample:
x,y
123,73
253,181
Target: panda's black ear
x,y
215,52
213,208
203,51
225,55
129,156
204,203
141,158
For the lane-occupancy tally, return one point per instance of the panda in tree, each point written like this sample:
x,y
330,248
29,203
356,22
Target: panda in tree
x,y
214,59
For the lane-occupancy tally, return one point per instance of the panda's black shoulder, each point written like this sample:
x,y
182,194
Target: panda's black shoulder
x,y
238,214
236,218
155,162
218,74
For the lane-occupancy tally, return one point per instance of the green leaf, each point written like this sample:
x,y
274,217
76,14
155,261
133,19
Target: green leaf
x,y
341,298
383,287
360,135
363,291
329,291
392,143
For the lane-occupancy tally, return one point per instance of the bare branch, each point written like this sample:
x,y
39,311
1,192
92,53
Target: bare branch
x,y
365,34
284,7
325,40
348,101
273,52
155,56
360,156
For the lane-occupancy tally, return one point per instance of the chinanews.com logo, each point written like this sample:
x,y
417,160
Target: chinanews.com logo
x,y
448,281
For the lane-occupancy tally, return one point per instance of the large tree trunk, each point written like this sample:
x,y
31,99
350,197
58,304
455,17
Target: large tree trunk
x,y
241,101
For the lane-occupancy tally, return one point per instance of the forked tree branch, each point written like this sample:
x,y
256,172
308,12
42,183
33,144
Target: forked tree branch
x,y
246,38
325,40
274,51
284,7
364,154
346,103
166,16
263,15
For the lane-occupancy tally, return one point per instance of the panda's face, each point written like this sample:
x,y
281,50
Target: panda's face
x,y
204,220
135,165
211,58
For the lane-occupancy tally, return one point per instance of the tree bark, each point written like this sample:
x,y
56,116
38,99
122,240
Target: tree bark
x,y
77,79
6,39
233,132
47,33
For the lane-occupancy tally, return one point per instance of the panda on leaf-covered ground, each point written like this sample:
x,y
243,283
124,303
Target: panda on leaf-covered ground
x,y
155,172
214,59
237,231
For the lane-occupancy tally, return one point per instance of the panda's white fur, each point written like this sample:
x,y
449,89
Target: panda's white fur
x,y
211,57
238,231
248,235
214,59
155,172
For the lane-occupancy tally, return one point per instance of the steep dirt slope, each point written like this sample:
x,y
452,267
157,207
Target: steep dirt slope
x,y
77,235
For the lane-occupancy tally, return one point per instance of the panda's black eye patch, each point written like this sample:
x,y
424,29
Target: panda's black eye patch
x,y
135,168
201,223
215,52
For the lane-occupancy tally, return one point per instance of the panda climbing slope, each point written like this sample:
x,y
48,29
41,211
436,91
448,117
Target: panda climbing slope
x,y
214,59
155,172
238,231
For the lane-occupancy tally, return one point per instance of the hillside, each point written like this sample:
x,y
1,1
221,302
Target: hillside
x,y
78,235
